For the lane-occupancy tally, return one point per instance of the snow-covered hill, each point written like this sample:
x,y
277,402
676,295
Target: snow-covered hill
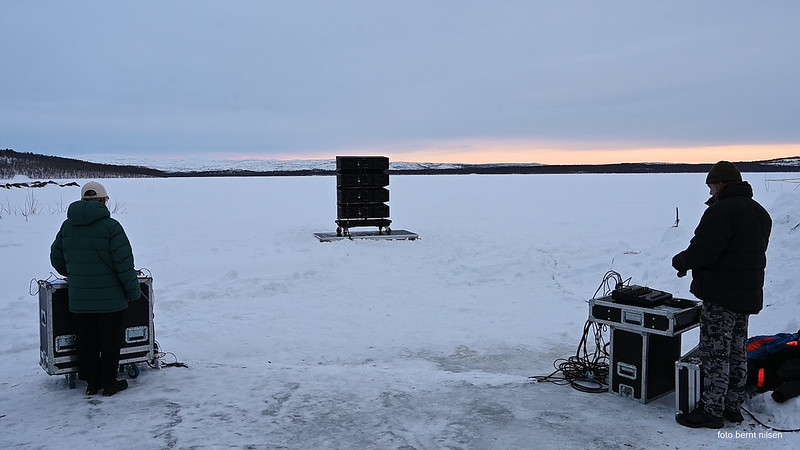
x,y
204,164
197,163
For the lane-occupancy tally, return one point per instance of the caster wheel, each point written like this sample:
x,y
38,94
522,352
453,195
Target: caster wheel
x,y
71,380
388,230
339,231
132,370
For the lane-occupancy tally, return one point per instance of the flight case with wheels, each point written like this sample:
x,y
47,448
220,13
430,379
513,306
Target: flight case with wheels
x,y
57,338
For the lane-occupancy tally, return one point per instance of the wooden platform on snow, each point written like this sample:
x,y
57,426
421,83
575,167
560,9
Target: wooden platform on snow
x,y
396,235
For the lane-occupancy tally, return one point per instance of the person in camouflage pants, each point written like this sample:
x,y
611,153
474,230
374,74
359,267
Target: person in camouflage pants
x,y
727,257
723,358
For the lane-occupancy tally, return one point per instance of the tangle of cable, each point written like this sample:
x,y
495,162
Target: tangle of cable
x,y
606,287
586,372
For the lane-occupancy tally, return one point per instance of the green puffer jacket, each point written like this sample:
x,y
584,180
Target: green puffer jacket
x,y
93,252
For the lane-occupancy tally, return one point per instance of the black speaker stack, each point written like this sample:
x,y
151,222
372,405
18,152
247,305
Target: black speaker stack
x,y
361,193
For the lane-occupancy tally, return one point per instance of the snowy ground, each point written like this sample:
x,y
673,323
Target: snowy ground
x,y
426,344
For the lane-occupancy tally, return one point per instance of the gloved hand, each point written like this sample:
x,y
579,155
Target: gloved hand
x,y
679,265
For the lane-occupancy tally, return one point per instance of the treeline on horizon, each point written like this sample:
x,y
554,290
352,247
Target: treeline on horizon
x,y
31,165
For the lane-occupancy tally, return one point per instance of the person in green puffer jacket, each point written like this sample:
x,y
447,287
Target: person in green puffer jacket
x,y
92,250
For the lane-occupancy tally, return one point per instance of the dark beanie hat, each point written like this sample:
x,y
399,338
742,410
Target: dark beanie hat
x,y
722,172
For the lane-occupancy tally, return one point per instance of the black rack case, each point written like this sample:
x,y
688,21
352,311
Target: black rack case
x,y
57,349
663,319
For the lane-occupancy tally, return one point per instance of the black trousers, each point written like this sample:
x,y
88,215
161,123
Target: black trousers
x,y
99,339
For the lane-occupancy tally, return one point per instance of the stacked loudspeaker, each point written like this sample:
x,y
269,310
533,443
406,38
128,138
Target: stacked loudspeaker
x,y
361,193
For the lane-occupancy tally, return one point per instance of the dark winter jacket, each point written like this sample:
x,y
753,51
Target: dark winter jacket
x,y
93,252
727,255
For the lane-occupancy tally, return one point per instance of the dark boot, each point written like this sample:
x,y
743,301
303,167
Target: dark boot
x,y
114,387
699,419
733,416
92,388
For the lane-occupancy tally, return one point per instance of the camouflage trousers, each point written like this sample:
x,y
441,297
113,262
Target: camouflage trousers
x,y
723,356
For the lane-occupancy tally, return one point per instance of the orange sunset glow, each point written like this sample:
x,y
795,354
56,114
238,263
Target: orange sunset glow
x,y
477,152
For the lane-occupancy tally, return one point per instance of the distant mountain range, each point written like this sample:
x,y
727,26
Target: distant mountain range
x,y
32,165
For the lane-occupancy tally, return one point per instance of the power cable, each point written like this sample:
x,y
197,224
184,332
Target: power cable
x,y
767,426
586,372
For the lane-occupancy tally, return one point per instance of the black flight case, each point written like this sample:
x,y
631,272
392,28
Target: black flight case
x,y
645,344
688,382
57,338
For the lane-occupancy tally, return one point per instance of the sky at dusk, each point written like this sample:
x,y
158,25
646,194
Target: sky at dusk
x,y
574,81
